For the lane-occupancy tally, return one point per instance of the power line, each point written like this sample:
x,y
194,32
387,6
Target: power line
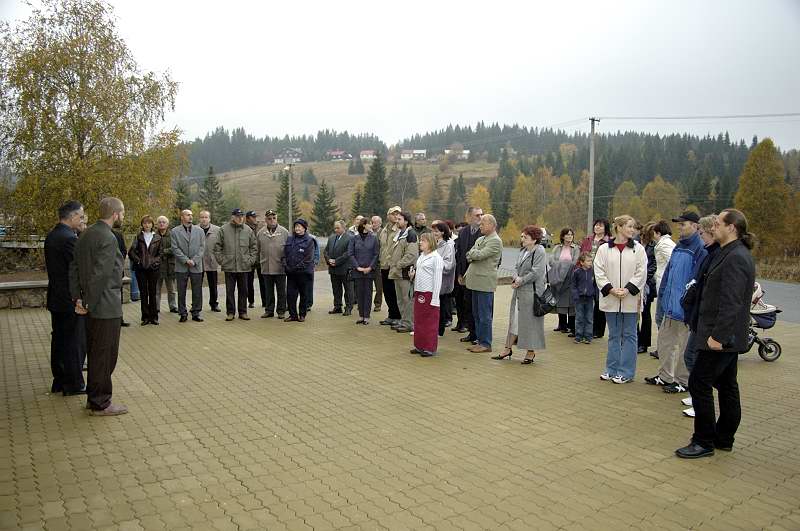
x,y
704,117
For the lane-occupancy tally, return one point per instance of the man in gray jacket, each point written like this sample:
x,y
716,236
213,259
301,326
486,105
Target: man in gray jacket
x,y
236,250
188,246
210,265
95,279
271,239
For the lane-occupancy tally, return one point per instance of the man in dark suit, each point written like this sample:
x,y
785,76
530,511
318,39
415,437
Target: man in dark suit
x,y
467,237
722,334
95,278
338,268
59,246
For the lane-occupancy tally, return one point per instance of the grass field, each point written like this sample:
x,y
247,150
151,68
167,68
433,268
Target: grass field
x,y
258,189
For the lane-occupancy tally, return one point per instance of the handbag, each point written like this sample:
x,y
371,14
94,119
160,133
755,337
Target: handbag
x,y
546,303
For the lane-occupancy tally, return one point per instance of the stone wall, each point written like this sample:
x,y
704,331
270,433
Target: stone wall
x,y
16,295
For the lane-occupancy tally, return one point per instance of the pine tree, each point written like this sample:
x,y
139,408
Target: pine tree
x,y
308,176
765,198
500,189
183,199
456,199
351,168
282,202
435,200
211,195
306,194
357,206
358,167
325,211
376,189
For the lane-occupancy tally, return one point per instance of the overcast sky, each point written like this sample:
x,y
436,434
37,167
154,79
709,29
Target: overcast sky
x,y
398,68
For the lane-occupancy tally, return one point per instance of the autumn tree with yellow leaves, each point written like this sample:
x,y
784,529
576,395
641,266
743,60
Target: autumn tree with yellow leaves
x,y
79,119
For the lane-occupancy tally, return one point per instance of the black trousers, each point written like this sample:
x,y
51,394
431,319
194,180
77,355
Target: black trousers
x,y
297,285
646,325
103,350
715,370
213,279
251,293
275,285
390,295
65,359
599,319
81,338
566,322
445,311
310,292
465,316
236,282
341,285
363,287
196,280
148,291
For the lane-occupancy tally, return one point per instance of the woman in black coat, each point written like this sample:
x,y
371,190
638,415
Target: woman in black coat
x,y
145,254
646,323
363,253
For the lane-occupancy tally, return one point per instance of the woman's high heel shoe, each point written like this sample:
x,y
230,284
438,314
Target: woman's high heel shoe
x,y
527,360
503,355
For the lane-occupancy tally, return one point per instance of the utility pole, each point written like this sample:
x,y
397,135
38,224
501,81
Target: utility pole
x,y
289,205
590,212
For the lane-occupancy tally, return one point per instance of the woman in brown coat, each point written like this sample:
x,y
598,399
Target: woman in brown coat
x,y
145,252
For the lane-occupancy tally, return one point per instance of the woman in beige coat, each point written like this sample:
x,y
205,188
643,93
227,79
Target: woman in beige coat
x,y
620,270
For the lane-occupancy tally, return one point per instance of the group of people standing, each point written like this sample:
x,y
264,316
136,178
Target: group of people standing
x,y
702,288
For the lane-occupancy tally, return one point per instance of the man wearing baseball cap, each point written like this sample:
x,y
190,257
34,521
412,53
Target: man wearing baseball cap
x,y
236,250
673,331
251,220
385,240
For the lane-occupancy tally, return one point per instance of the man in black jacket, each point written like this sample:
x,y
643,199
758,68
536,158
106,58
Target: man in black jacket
x,y
722,334
59,247
467,237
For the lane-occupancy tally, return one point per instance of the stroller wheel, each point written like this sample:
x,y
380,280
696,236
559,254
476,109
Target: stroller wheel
x,y
770,350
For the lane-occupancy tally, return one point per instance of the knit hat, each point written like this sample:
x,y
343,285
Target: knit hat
x,y
300,221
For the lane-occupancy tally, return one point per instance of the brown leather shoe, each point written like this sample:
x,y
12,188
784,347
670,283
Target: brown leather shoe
x,y
244,317
110,411
479,349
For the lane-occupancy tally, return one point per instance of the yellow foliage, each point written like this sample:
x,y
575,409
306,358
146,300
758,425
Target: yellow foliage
x,y
305,209
510,234
479,197
415,205
661,200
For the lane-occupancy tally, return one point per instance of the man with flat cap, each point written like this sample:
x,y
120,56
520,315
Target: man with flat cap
x,y
251,220
236,249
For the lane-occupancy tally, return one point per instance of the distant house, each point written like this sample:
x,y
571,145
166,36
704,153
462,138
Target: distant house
x,y
368,154
289,156
338,154
460,154
407,154
420,154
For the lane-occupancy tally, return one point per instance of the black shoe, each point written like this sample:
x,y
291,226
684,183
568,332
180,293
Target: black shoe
x,y
154,322
251,305
183,319
124,324
197,319
145,322
723,447
244,317
426,354
335,310
280,315
641,350
216,309
74,393
137,299
557,329
502,356
415,351
387,322
347,313
173,310
267,315
403,330
571,334
654,354
468,339
693,451
447,324
655,380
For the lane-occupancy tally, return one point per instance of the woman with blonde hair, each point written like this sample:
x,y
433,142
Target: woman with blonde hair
x,y
427,277
620,269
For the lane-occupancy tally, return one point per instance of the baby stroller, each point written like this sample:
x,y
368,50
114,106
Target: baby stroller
x,y
763,316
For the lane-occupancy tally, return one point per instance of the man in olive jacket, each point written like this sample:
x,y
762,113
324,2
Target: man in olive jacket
x,y
271,240
722,334
402,256
481,280
95,281
166,273
236,250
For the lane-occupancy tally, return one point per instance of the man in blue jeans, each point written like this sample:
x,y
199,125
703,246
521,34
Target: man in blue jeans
x,y
481,280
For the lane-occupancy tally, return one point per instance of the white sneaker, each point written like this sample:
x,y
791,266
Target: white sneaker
x,y
689,412
687,401
620,380
605,376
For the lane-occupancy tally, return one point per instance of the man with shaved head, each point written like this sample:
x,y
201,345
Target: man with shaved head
x,y
188,246
166,274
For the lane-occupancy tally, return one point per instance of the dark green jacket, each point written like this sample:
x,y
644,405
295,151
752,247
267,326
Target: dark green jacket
x,y
167,256
236,249
95,274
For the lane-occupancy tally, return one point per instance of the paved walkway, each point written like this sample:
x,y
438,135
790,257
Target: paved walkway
x,y
272,425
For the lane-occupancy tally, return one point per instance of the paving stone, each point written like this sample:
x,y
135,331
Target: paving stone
x,y
272,425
